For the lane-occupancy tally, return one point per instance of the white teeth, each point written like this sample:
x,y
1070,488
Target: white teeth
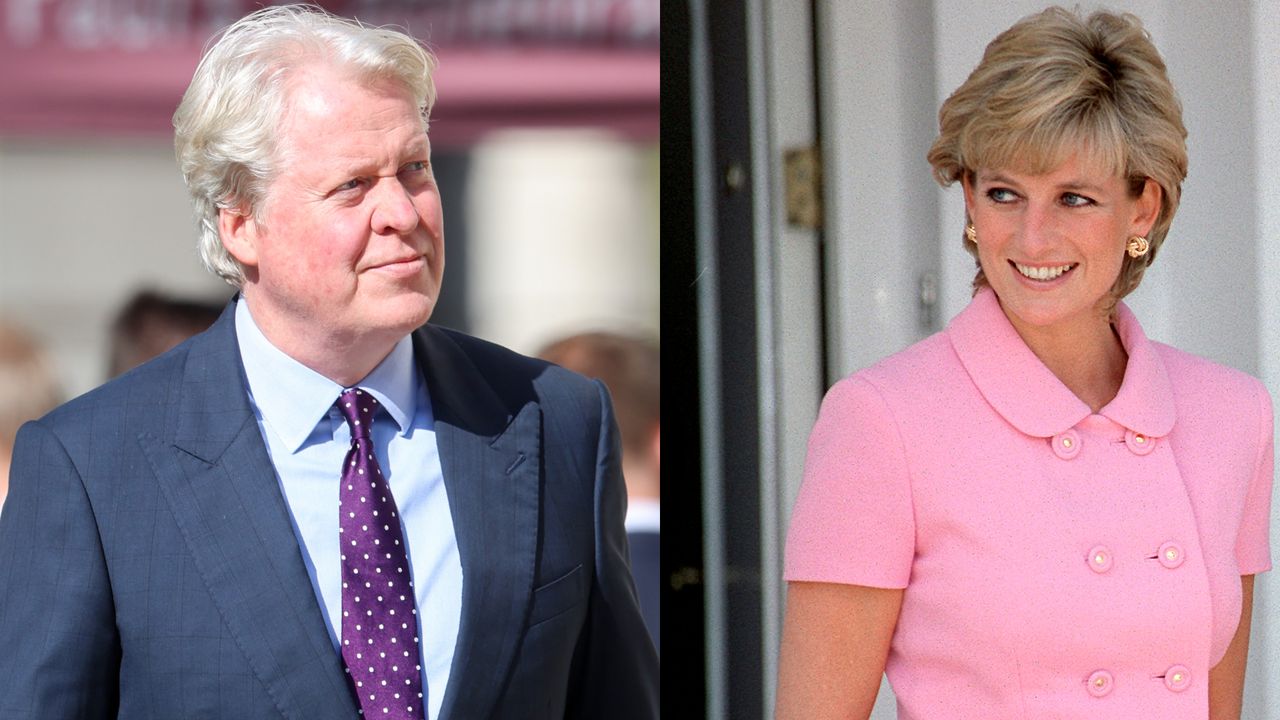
x,y
1042,273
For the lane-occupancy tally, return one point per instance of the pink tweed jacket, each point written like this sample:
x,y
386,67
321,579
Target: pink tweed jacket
x,y
1057,563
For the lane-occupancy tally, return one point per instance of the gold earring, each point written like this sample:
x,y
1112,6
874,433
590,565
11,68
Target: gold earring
x,y
971,233
1138,246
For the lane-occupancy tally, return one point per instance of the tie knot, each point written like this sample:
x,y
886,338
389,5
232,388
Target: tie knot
x,y
358,407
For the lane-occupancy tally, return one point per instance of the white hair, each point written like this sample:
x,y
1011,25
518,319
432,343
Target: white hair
x,y
226,127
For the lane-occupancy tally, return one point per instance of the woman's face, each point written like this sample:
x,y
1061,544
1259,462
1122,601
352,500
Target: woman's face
x,y
1052,245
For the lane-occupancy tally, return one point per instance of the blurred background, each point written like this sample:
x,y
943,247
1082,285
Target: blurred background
x,y
806,239
544,142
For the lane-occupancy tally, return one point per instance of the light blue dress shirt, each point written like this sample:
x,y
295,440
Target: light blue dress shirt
x,y
308,439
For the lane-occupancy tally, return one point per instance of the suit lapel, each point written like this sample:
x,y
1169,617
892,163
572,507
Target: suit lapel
x,y
220,484
491,457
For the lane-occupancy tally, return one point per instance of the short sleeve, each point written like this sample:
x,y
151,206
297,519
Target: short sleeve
x,y
1253,545
853,521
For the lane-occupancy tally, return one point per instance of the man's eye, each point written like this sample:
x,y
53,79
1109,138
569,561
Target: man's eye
x,y
348,185
416,166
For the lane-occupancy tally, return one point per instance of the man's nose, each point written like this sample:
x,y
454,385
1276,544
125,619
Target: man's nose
x,y
394,211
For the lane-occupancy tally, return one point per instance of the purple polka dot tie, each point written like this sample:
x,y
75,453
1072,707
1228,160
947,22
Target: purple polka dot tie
x,y
379,622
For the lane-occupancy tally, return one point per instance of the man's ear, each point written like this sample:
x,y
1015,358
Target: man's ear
x,y
239,234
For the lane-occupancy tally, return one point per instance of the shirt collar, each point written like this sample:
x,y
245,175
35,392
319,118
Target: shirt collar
x,y
292,398
1031,398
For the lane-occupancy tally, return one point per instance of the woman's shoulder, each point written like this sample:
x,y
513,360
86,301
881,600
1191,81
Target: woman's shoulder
x,y
1209,392
915,383
1190,373
928,359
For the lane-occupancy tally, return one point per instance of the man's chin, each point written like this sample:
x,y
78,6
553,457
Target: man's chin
x,y
407,312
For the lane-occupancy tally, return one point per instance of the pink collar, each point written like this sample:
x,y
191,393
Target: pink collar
x,y
1033,399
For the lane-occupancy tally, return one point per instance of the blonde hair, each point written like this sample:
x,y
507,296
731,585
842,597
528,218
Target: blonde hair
x,y
1056,83
225,129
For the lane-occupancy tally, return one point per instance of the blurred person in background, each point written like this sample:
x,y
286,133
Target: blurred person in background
x,y
631,367
28,389
322,507
150,324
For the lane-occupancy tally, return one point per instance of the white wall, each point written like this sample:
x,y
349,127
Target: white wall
x,y
1264,666
875,78
884,69
83,224
562,237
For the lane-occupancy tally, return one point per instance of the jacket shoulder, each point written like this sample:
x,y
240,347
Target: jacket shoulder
x,y
929,360
513,375
143,395
486,355
1194,376
1210,396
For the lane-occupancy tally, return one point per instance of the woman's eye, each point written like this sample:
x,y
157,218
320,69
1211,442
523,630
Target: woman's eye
x,y
1001,195
1074,200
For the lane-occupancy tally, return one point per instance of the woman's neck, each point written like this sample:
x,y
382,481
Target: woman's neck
x,y
1087,356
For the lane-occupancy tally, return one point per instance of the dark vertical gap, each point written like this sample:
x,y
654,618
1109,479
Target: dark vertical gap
x,y
737,361
683,596
824,347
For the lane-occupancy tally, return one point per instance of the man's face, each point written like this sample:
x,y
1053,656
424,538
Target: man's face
x,y
350,247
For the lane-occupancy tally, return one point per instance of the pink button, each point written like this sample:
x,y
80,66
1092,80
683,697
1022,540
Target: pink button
x,y
1138,443
1171,555
1066,445
1099,559
1177,678
1100,683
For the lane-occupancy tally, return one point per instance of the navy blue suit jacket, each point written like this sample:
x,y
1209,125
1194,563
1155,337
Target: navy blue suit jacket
x,y
646,558
148,568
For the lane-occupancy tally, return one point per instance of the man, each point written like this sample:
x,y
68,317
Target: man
x,y
196,538
631,368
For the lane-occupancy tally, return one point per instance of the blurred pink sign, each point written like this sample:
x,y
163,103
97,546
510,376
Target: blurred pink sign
x,y
110,67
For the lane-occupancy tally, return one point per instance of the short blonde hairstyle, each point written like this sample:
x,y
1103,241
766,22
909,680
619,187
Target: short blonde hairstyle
x,y
226,127
1056,83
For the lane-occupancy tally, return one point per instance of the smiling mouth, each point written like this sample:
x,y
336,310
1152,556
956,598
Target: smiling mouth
x,y
403,268
402,261
1043,274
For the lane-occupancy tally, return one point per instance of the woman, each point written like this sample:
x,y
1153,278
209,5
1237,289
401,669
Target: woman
x,y
1038,513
